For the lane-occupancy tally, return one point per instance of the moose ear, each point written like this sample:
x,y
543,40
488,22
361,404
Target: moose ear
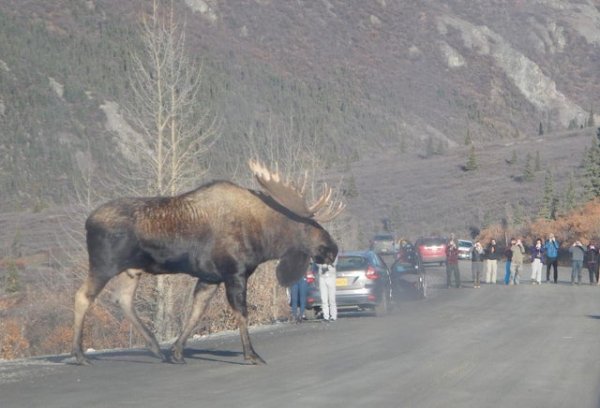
x,y
292,266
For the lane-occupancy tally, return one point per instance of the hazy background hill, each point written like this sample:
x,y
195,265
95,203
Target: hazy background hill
x,y
389,89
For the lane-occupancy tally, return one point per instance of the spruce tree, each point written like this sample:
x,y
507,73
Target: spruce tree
x,y
590,121
570,197
471,160
538,164
429,149
541,129
468,139
547,210
528,173
591,171
513,158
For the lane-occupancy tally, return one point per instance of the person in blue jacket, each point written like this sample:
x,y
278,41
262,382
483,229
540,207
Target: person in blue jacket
x,y
551,246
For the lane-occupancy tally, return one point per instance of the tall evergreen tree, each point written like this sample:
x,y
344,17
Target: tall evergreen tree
x,y
513,158
528,173
547,208
538,163
471,160
429,149
591,171
570,197
541,129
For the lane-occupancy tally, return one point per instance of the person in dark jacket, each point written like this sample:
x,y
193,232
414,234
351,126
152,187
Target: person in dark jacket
x,y
452,264
591,262
477,258
551,246
491,262
508,255
577,252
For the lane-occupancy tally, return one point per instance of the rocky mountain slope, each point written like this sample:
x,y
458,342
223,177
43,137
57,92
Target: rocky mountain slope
x,y
389,89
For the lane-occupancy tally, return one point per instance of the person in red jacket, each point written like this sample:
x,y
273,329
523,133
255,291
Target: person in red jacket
x,y
452,264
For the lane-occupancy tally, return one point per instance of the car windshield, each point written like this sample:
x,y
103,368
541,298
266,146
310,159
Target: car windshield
x,y
351,262
433,241
383,238
465,244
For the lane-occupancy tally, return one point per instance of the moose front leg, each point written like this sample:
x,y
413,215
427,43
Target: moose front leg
x,y
236,295
249,353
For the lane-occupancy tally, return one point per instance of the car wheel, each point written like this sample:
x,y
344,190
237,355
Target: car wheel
x,y
383,307
311,314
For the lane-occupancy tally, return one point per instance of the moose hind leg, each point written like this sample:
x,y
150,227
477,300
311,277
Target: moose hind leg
x,y
84,297
126,286
203,293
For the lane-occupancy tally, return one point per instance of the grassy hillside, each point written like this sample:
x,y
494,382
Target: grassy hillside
x,y
389,91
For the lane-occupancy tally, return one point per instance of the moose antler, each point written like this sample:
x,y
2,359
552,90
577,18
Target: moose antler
x,y
288,195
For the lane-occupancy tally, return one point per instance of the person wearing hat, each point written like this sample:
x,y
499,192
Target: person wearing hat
x,y
591,262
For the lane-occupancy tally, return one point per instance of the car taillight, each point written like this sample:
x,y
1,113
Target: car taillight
x,y
371,273
310,277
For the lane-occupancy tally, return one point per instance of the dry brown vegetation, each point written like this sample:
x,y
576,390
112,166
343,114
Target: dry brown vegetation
x,y
38,320
583,223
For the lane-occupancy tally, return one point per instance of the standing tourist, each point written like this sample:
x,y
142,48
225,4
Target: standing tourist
x,y
491,262
508,255
516,264
477,254
577,252
537,260
298,293
452,264
327,275
591,262
551,246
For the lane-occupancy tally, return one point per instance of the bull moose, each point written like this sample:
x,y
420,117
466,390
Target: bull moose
x,y
218,233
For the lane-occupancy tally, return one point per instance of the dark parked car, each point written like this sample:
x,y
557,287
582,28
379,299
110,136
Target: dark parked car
x,y
363,282
399,270
383,243
431,250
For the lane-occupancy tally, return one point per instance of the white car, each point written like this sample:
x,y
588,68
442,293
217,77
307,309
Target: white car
x,y
464,249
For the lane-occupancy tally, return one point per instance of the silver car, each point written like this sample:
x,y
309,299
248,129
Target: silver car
x,y
383,243
363,282
464,249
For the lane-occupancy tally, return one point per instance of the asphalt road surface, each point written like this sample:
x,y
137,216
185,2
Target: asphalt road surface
x,y
497,346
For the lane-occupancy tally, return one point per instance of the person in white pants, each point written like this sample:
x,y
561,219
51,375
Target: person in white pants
x,y
537,262
327,288
491,262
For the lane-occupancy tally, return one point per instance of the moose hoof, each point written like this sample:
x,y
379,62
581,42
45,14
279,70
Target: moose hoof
x,y
82,360
177,356
159,354
256,360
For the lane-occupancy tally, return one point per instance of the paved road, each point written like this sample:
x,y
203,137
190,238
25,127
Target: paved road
x,y
498,346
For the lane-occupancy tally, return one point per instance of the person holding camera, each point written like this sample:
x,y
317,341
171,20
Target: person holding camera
x,y
477,256
537,260
491,262
516,265
577,252
452,264
551,248
591,262
327,276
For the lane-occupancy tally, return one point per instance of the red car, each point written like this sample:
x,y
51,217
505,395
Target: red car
x,y
431,250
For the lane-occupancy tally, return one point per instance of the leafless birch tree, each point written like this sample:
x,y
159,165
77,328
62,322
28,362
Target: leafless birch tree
x,y
173,130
